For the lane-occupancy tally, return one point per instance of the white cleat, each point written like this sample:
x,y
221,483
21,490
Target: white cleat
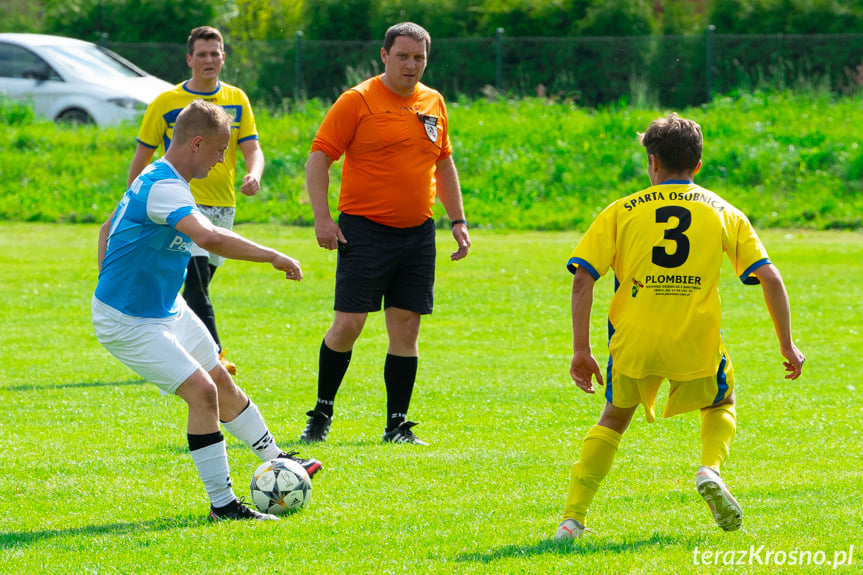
x,y
569,530
726,511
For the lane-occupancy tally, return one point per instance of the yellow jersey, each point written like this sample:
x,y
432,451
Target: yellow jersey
x,y
157,129
665,245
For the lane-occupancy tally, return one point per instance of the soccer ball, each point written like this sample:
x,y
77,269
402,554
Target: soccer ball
x,y
281,486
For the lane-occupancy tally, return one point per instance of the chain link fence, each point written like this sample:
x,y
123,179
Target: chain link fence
x,y
671,71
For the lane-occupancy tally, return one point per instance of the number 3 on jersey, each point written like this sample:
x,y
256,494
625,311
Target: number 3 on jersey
x,y
661,257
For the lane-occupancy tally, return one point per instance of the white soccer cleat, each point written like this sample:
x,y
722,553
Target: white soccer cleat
x,y
568,530
726,511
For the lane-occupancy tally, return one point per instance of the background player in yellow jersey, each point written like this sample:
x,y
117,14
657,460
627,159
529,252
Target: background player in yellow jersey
x,y
665,245
214,195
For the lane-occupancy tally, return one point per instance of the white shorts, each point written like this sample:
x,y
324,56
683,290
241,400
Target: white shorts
x,y
221,216
164,351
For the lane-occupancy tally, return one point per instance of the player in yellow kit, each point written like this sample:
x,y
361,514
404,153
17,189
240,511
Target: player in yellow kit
x,y
665,245
214,195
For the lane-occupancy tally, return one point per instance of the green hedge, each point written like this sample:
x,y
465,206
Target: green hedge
x,y
787,160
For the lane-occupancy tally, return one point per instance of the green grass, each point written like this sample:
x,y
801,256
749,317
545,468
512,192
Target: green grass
x,y
786,160
95,475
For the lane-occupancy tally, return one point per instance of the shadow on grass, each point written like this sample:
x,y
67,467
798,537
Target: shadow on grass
x,y
80,384
588,546
12,539
303,446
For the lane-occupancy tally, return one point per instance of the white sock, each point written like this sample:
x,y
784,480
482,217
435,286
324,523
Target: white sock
x,y
212,464
249,427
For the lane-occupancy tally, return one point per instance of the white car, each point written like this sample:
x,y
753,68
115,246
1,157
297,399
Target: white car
x,y
69,80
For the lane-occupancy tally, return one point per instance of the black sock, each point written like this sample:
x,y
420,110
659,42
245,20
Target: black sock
x,y
196,292
332,366
400,373
204,440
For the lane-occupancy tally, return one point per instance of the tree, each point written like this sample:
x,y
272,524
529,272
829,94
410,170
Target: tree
x,y
617,18
338,19
130,20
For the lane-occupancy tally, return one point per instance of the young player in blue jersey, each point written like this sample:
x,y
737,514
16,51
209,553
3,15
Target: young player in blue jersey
x,y
138,316
665,245
214,194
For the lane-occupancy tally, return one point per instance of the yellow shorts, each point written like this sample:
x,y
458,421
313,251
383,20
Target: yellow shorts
x,y
684,396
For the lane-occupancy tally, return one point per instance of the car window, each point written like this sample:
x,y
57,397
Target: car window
x,y
19,62
88,62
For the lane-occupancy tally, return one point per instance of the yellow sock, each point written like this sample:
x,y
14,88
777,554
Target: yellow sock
x,y
718,425
597,454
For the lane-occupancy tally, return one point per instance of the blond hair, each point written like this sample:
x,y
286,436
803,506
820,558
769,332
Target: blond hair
x,y
200,118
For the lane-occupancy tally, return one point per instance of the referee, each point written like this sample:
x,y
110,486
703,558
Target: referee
x,y
394,134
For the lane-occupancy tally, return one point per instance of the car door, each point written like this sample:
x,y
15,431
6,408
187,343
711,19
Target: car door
x,y
26,76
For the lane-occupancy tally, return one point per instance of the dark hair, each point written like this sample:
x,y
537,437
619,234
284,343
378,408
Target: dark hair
x,y
204,33
200,118
409,29
676,141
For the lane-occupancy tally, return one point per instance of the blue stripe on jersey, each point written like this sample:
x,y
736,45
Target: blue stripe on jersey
x,y
676,182
170,118
235,111
721,381
608,393
146,145
186,88
747,278
575,262
252,137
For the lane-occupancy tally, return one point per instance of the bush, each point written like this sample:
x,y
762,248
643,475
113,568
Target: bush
x,y
130,20
15,113
786,17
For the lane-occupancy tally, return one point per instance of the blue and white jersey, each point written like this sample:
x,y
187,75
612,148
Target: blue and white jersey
x,y
146,258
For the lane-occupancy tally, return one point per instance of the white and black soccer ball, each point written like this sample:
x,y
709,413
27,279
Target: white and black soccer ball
x,y
281,486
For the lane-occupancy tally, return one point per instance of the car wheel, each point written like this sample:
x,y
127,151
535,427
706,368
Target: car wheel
x,y
75,116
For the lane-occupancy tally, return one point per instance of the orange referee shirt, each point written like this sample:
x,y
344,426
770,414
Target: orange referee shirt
x,y
391,145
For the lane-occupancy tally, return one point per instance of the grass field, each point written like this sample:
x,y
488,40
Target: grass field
x,y
95,475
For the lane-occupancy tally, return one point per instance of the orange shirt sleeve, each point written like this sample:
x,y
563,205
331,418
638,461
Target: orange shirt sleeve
x,y
446,147
339,126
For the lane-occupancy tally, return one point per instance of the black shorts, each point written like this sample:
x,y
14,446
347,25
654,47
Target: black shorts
x,y
379,262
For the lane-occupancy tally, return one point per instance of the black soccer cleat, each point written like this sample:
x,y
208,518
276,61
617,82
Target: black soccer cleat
x,y
238,509
311,466
403,434
317,427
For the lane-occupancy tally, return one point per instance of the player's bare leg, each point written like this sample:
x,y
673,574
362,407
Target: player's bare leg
x,y
242,419
345,330
207,447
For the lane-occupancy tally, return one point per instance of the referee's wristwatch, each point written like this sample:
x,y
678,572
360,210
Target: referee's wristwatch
x,y
454,222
